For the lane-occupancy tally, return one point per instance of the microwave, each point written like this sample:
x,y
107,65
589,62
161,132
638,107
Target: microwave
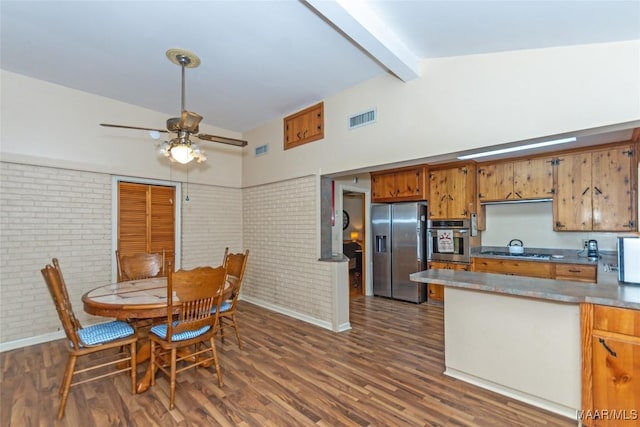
x,y
629,260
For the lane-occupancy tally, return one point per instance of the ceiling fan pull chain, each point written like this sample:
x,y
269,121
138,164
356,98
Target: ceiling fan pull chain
x,y
186,199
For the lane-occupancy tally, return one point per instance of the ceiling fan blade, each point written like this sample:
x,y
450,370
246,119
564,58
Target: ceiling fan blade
x,y
223,140
189,121
132,127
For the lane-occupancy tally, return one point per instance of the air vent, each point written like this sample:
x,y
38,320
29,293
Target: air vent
x,y
262,150
363,119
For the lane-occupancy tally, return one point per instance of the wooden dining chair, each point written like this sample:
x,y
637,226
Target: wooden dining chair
x,y
235,264
192,296
140,266
92,339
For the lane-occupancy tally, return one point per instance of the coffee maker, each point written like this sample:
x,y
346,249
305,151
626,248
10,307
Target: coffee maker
x,y
592,249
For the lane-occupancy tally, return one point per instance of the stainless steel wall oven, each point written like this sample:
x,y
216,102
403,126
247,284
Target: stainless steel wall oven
x,y
449,240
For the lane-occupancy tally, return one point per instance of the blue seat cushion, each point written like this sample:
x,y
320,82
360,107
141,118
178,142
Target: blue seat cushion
x,y
225,306
105,332
161,331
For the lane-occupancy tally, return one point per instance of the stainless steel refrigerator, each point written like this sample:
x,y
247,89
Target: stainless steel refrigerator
x,y
399,249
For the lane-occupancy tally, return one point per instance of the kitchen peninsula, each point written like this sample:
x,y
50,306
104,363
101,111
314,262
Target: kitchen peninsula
x,y
532,339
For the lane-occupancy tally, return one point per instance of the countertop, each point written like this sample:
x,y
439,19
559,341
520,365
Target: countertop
x,y
610,294
566,256
607,262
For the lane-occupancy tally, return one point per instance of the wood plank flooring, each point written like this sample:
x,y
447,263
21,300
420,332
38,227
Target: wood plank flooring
x,y
386,371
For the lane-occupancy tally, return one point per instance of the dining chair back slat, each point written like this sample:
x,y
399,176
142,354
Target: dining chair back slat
x,y
140,266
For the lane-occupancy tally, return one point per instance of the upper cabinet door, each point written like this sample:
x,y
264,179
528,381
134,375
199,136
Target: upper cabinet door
x,y
613,207
452,192
438,194
304,126
383,186
595,191
459,194
572,205
516,180
533,178
409,184
399,185
495,181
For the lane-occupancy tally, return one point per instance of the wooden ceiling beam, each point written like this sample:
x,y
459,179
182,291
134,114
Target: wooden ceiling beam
x,y
360,24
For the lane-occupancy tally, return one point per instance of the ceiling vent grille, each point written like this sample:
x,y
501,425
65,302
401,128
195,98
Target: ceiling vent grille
x,y
262,150
363,119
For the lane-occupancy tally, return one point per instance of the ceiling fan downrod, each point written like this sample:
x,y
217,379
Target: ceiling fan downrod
x,y
184,61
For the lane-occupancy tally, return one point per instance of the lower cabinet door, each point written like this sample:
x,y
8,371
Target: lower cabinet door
x,y
616,382
436,292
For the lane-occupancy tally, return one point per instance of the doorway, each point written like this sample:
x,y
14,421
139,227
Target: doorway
x,y
354,238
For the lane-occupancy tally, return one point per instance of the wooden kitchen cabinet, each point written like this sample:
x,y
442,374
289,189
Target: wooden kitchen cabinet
x,y
611,366
541,269
436,292
399,185
576,272
513,267
304,126
524,179
452,192
596,190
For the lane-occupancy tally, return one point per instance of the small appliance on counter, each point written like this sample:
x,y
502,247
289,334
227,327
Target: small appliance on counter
x,y
629,260
592,249
516,247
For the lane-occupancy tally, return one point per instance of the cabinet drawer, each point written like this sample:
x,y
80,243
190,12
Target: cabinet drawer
x,y
576,272
613,319
516,268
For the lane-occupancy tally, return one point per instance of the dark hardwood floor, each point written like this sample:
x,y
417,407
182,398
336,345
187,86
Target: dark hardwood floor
x,y
386,371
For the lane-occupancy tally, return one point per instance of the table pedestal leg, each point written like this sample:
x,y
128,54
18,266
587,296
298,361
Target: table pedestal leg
x,y
144,354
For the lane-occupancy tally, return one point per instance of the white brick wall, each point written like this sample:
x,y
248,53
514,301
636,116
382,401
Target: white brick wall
x,y
280,230
211,221
46,213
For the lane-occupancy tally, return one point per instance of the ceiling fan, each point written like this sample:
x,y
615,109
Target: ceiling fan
x,y
180,148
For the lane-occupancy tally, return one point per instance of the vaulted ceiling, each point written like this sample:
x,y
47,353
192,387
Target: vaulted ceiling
x,y
262,60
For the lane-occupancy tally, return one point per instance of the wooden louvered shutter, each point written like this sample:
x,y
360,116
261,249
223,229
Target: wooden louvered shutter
x,y
146,219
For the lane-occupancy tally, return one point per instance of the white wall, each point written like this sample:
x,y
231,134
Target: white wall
x,y
51,125
462,103
533,224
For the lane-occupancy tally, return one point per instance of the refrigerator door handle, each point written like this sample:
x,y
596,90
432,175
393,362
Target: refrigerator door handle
x,y
381,243
420,244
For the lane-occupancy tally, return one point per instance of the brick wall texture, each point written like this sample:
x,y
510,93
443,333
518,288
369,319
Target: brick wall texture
x,y
50,212
280,226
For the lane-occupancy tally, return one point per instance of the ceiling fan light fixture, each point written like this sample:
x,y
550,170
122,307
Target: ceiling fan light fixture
x,y
181,153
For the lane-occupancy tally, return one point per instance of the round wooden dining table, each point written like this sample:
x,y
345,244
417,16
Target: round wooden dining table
x,y
134,301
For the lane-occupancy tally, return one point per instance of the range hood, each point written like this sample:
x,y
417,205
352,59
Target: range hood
x,y
510,202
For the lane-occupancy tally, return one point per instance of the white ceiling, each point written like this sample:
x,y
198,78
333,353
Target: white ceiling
x,y
263,60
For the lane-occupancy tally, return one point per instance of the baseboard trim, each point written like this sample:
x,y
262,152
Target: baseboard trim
x,y
530,399
344,327
26,342
52,336
287,312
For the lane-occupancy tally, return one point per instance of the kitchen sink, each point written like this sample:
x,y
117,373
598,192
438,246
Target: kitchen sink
x,y
524,255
